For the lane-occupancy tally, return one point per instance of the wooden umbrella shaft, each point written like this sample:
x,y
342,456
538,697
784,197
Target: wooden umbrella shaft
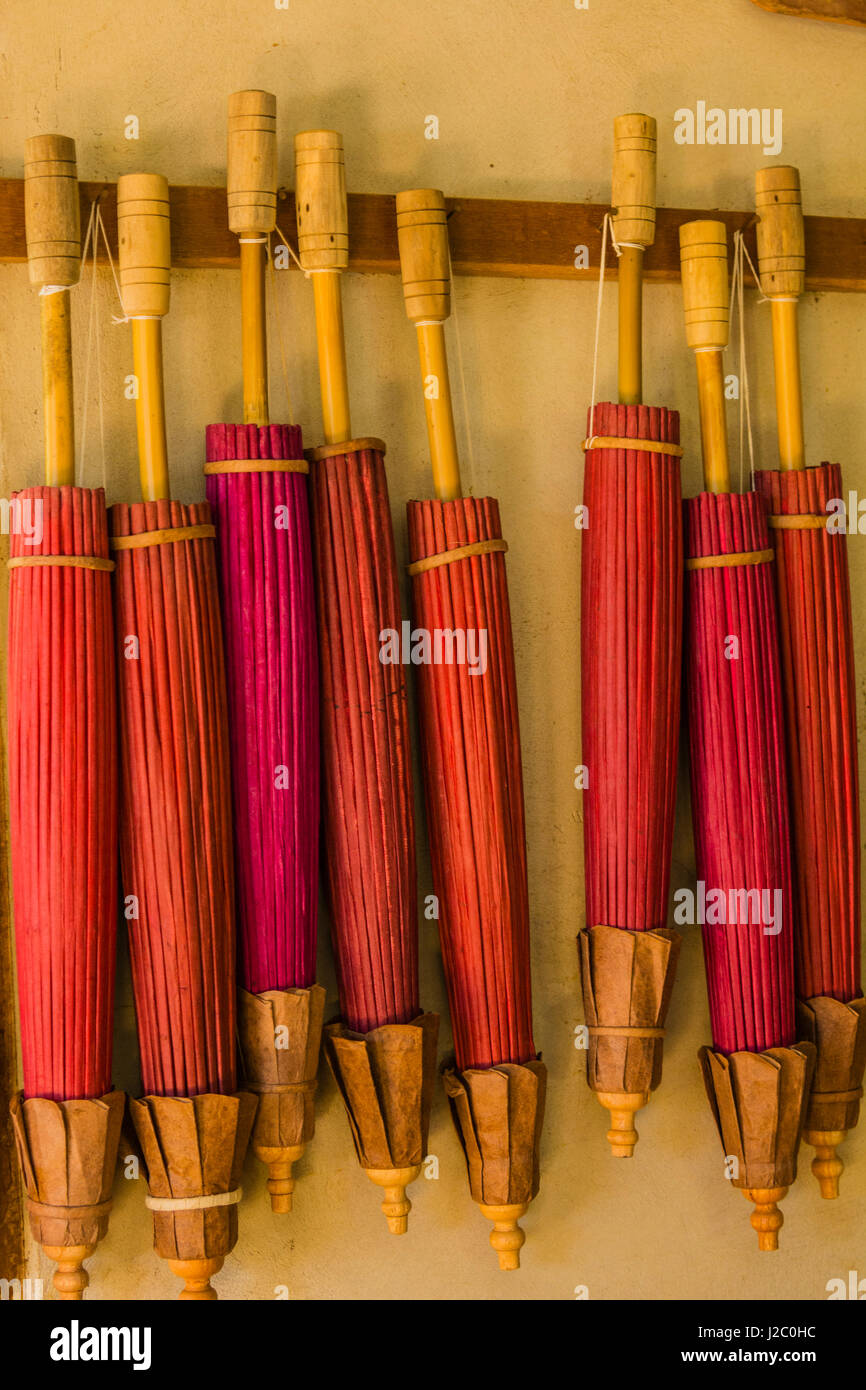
x,y
630,325
440,414
150,408
57,389
789,398
714,437
332,356
254,338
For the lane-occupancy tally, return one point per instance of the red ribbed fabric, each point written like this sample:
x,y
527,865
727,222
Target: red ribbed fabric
x,y
739,786
473,785
367,792
266,590
63,797
631,645
820,704
175,824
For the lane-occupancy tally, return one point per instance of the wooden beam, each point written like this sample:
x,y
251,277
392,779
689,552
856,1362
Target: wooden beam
x,y
488,236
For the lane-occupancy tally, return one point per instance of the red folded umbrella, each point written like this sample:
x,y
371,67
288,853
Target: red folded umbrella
x,y
756,1080
62,781
175,832
820,705
258,495
630,658
383,1050
472,775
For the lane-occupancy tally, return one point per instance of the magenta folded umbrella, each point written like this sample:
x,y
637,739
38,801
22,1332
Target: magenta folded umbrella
x,y
266,587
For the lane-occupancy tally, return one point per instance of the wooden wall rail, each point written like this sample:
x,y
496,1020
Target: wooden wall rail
x,y
488,236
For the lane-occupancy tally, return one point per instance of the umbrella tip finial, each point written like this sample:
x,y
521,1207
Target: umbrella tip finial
x,y
281,1182
827,1166
70,1277
622,1105
507,1237
196,1275
766,1219
396,1204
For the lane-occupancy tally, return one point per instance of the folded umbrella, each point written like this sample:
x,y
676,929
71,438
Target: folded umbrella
x,y
472,774
631,644
257,490
175,829
62,780
757,1078
817,644
383,1049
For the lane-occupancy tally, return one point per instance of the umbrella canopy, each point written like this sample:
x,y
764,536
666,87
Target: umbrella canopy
x,y
175,832
631,639
820,704
257,490
62,779
383,1050
472,773
756,1080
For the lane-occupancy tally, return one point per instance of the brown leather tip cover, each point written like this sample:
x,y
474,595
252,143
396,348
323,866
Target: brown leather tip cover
x,y
498,1114
628,978
386,1080
194,1147
280,1033
759,1102
68,1151
839,1033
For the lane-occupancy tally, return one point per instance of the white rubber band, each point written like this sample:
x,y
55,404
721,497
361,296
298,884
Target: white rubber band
x,y
53,289
252,241
202,1203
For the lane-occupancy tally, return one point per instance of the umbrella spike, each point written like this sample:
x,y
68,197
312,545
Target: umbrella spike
x,y
396,1204
70,1277
622,1107
507,1237
281,1181
827,1166
197,1275
766,1219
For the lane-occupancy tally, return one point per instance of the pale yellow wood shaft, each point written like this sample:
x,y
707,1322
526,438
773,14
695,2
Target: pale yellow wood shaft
x,y
254,334
332,356
789,393
57,390
630,325
714,434
633,187
439,410
150,408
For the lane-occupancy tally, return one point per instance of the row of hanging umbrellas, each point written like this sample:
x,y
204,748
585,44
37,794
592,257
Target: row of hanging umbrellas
x,y
771,727
241,622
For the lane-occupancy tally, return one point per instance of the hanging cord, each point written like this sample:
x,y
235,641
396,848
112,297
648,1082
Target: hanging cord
x,y
94,344
278,316
741,258
464,396
606,232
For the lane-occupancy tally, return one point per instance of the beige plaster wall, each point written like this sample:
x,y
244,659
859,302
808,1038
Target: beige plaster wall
x,y
525,94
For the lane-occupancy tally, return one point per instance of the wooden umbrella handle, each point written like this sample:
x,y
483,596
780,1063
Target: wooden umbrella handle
x,y
53,229
704,263
144,242
252,200
323,250
634,225
782,268
422,234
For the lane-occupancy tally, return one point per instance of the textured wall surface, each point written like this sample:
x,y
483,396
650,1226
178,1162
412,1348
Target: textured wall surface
x,y
525,95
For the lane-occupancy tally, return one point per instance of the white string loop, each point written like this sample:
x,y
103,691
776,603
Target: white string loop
x,y
737,300
606,232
